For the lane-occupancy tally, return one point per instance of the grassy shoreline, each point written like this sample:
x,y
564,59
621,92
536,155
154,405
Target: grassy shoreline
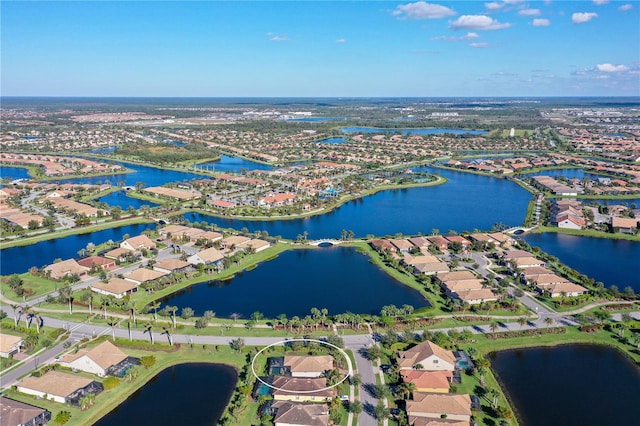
x,y
586,233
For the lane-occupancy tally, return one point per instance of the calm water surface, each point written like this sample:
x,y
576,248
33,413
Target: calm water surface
x,y
466,202
16,260
614,262
120,198
233,165
185,394
570,385
14,173
337,278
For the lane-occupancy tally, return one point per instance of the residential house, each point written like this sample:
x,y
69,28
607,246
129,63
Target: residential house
x,y
118,254
100,360
142,275
563,289
568,221
439,241
302,389
440,405
168,266
402,245
308,366
428,381
428,356
9,345
419,242
381,245
502,239
294,414
207,256
256,244
60,387
429,421
430,268
61,269
233,241
624,225
116,287
414,260
527,262
476,296
98,261
458,239
16,413
138,243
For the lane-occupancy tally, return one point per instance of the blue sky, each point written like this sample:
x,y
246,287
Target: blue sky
x,y
321,48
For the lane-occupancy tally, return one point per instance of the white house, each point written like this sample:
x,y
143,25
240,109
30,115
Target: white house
x,y
97,360
428,356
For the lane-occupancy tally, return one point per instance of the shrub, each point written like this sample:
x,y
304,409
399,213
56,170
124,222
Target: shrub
x,y
62,417
148,361
110,382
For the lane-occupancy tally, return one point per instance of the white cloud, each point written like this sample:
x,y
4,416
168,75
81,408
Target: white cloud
x,y
480,44
582,17
469,36
513,1
504,74
529,12
541,22
600,2
493,6
625,7
422,10
275,37
611,68
477,22
341,40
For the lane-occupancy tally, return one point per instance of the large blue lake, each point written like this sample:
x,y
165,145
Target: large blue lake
x,y
14,173
16,260
185,394
337,278
433,131
570,385
233,165
120,198
614,262
466,202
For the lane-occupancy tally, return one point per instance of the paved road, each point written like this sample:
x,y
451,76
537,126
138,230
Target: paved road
x,y
367,372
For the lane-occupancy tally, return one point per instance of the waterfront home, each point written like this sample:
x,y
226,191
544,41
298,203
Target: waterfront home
x,y
118,254
427,356
100,360
458,239
98,262
515,254
430,268
440,405
419,242
428,381
60,387
116,287
475,296
16,413
527,262
207,257
543,279
302,389
452,286
172,231
402,245
624,225
502,239
222,204
484,238
9,345
256,244
138,243
294,414
168,266
381,245
563,289
308,366
233,241
569,221
456,275
414,260
179,194
142,275
63,268
440,242
272,199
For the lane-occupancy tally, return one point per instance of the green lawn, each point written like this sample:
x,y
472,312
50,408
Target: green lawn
x,y
587,233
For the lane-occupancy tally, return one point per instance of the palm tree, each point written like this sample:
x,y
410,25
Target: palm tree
x,y
17,313
166,331
549,321
65,293
112,323
494,397
148,329
494,326
522,321
155,306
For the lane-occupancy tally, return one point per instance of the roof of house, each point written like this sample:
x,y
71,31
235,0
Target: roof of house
x,y
140,241
318,363
8,342
69,266
470,284
482,237
459,239
515,254
624,222
443,403
173,230
522,261
171,264
536,270
431,267
542,279
235,240
427,379
419,241
117,252
301,414
413,260
55,383
423,350
114,286
456,275
476,294
500,237
210,255
94,260
304,386
106,354
432,421
402,244
256,243
565,287
14,412
144,274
